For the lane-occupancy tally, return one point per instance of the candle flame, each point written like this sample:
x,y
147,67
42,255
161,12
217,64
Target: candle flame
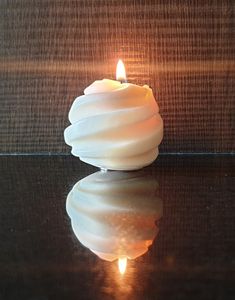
x,y
120,71
122,263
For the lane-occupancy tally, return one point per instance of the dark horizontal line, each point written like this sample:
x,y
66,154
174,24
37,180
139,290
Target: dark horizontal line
x,y
161,154
198,153
35,154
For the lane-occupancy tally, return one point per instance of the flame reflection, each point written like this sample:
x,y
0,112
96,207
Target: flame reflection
x,y
122,263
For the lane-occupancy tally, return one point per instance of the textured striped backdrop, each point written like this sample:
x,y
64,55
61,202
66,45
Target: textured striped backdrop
x,y
51,50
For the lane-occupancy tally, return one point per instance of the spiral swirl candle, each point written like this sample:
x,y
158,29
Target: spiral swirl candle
x,y
115,126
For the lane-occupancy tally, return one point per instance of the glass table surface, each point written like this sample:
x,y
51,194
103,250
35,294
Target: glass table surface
x,y
173,221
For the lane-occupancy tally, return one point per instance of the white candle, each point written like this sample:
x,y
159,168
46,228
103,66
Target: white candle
x,y
114,214
115,126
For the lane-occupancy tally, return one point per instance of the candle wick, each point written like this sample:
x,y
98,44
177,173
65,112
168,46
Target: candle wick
x,y
123,80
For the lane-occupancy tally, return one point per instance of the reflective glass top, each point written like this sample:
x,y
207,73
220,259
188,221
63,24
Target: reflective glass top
x,y
172,222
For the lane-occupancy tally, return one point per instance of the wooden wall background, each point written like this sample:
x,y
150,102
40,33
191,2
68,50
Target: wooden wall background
x,y
51,50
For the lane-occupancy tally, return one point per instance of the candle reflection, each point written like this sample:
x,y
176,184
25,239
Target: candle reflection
x,y
114,214
122,263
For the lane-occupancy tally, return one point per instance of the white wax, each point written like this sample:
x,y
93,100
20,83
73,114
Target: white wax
x,y
114,213
115,126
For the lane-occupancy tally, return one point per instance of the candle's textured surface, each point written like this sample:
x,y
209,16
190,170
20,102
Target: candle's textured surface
x,y
115,126
114,213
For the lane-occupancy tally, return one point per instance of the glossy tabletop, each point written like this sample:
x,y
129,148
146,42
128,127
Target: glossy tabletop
x,y
190,257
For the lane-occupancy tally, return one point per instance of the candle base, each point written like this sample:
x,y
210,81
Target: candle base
x,y
123,164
